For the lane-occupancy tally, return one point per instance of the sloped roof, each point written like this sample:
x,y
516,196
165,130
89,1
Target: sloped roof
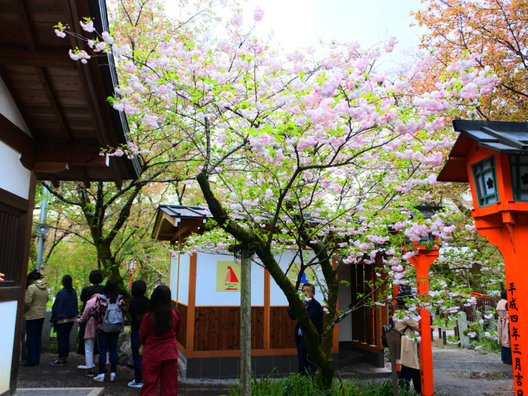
x,y
176,222
500,136
64,103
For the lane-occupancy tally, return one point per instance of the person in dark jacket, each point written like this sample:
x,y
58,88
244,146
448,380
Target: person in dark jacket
x,y
315,312
139,304
64,313
96,279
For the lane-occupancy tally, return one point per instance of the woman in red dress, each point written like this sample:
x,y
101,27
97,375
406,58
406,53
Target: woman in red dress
x,y
157,333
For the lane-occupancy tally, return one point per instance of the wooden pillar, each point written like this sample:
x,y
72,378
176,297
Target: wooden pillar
x,y
267,310
422,261
510,237
191,308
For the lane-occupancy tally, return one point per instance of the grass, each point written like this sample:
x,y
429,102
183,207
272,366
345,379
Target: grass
x,y
297,385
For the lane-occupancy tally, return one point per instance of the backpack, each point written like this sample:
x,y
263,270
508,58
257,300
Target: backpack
x,y
114,320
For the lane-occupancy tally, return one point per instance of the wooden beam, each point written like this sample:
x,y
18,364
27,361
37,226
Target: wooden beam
x,y
15,137
50,167
36,58
27,24
54,102
72,153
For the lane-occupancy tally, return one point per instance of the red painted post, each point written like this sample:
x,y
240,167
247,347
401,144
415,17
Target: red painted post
x,y
490,156
511,238
421,262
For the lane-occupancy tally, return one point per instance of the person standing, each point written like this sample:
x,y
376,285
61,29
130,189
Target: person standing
x,y
35,300
96,278
315,312
109,304
64,313
503,329
409,358
139,304
157,333
90,332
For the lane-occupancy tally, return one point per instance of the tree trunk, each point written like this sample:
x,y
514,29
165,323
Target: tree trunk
x,y
245,324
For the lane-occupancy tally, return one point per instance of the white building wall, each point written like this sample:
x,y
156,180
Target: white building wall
x,y
180,290
277,297
8,310
13,176
206,273
9,109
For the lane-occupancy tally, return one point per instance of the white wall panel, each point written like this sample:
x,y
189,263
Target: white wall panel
x,y
13,176
277,297
8,310
9,109
181,289
206,293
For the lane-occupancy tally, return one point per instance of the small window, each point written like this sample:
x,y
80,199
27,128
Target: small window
x,y
486,182
519,175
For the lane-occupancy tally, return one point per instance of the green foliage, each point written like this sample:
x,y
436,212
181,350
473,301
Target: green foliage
x,y
298,385
72,257
482,336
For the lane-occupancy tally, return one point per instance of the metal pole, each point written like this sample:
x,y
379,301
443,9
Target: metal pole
x,y
245,324
42,228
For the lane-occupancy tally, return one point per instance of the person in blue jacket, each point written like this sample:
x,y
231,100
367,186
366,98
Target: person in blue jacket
x,y
316,313
64,312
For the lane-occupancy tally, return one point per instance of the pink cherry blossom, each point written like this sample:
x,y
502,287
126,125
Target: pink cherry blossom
x,y
258,13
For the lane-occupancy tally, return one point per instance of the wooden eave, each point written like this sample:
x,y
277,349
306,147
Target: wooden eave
x,y
174,223
63,102
499,136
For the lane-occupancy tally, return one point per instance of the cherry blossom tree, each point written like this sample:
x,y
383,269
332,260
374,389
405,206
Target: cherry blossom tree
x,y
493,34
315,151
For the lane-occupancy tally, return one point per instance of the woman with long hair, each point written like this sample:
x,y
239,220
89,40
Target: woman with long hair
x,y
63,314
157,333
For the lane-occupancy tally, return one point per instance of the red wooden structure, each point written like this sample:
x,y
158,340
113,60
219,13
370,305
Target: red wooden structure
x,y
493,157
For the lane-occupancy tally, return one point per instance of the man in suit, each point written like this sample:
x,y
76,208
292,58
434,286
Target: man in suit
x,y
315,312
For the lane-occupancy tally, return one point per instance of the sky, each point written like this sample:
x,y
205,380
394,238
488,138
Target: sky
x,y
303,23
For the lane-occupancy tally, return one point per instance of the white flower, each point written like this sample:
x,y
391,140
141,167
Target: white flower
x,y
107,38
87,26
59,33
472,334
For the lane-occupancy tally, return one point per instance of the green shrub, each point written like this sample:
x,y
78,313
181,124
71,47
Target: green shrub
x,y
298,385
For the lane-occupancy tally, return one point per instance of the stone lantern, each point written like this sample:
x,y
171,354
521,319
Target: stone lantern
x,y
493,157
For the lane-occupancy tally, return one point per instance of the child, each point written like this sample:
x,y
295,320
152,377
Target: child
x,y
139,304
90,332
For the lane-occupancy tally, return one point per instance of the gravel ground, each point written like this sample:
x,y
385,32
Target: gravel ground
x,y
470,373
457,372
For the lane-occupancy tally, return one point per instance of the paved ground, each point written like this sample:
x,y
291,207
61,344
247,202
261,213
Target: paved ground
x,y
457,372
